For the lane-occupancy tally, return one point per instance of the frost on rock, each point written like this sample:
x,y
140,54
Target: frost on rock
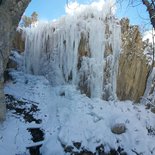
x,y
52,49
149,95
148,45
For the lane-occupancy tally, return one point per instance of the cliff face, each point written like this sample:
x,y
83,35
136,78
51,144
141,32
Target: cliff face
x,y
10,14
80,49
133,68
149,95
18,43
84,51
133,64
95,69
109,59
126,80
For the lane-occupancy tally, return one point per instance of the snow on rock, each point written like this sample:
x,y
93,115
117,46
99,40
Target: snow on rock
x,y
149,95
15,61
52,49
118,128
148,39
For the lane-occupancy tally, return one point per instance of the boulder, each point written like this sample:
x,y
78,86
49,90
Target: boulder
x,y
118,128
153,110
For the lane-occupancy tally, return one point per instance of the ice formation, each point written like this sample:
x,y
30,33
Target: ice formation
x,y
52,49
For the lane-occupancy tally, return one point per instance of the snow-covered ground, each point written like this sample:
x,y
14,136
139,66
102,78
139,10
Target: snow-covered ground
x,y
68,117
71,121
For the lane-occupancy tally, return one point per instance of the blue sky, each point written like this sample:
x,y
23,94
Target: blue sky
x,y
53,9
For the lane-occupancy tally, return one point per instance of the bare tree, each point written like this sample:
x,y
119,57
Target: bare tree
x,y
150,5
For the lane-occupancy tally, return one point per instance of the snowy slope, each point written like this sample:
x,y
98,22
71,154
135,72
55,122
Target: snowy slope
x,y
72,117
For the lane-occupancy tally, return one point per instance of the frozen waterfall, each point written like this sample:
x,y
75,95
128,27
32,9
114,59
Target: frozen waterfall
x,y
81,48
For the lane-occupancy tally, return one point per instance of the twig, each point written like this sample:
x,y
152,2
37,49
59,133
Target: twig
x,y
135,152
148,101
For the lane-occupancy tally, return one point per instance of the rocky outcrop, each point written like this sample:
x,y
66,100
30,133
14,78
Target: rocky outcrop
x,y
149,95
133,65
110,60
10,15
18,43
84,51
111,52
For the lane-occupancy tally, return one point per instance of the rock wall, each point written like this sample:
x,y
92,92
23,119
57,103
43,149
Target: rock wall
x,y
133,64
18,43
109,74
131,72
10,15
84,53
149,95
133,67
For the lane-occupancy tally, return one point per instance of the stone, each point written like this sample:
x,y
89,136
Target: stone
x,y
133,64
2,105
18,43
77,145
12,64
153,110
149,95
10,15
83,50
118,128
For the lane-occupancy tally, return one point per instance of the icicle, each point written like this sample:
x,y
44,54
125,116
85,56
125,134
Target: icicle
x,y
52,50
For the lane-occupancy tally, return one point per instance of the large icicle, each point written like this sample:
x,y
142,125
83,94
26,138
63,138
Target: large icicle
x,y
81,48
